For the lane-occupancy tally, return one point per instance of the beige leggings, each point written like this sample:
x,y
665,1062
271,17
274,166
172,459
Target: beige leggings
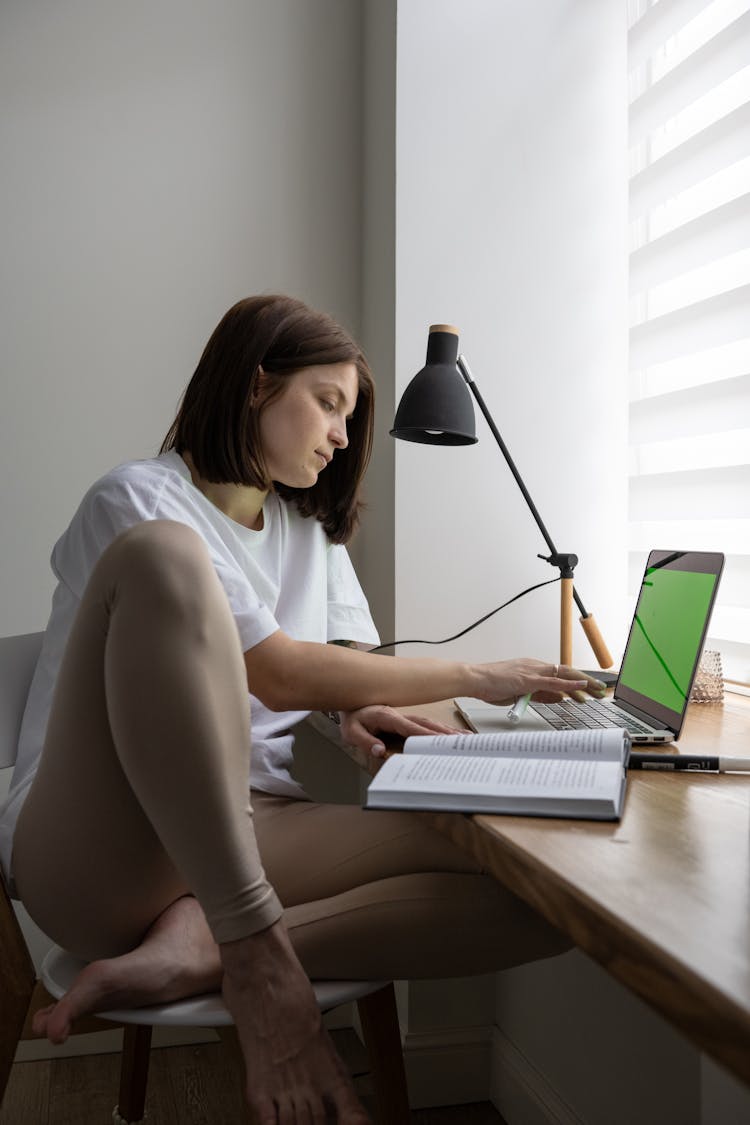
x,y
141,797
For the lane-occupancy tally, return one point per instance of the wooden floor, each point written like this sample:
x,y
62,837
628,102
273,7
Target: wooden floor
x,y
192,1085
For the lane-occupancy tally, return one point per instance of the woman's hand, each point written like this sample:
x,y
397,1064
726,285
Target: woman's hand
x,y
363,728
505,681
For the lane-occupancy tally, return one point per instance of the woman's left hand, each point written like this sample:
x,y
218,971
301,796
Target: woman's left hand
x,y
363,728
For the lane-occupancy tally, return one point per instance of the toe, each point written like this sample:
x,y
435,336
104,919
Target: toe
x,y
58,1024
39,1020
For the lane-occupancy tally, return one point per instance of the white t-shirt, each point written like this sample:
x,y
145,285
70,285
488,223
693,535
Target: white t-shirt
x,y
287,576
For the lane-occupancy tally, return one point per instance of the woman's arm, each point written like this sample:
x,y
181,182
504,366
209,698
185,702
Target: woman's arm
x,y
286,674
365,727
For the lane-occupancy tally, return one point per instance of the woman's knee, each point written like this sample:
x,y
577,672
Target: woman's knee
x,y
152,540
159,567
157,552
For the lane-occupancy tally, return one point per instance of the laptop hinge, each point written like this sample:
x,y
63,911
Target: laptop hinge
x,y
642,716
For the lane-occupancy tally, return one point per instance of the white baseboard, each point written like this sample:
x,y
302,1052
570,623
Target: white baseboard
x,y
448,1067
520,1093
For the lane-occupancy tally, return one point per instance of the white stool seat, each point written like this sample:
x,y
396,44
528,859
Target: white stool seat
x,y
59,970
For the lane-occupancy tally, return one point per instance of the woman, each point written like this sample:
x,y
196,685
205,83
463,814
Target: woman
x,y
196,593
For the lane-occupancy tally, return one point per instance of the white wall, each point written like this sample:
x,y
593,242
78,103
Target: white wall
x,y
160,161
511,225
511,222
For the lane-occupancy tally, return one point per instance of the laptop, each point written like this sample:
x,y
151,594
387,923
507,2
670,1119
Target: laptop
x,y
661,657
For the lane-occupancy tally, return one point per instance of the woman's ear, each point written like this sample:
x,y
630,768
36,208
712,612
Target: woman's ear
x,y
260,384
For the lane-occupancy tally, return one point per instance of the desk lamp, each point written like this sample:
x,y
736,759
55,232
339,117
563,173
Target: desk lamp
x,y
436,409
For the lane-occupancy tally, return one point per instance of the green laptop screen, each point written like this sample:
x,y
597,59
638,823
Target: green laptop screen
x,y
666,634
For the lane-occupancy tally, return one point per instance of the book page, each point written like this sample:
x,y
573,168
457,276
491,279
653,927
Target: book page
x,y
552,777
603,744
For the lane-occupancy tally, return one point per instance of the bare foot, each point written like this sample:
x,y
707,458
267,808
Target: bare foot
x,y
292,1070
178,957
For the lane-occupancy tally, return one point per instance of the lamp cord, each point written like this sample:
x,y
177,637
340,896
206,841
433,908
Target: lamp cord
x,y
392,644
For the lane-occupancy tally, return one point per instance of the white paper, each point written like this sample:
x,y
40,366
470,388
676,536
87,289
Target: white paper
x,y
605,743
516,777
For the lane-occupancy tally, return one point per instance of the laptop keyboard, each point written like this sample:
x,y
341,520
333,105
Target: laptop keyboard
x,y
570,715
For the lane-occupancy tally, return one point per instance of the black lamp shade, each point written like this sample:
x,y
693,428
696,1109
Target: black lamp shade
x,y
436,407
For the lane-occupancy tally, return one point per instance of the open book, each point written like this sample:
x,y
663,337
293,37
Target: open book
x,y
529,773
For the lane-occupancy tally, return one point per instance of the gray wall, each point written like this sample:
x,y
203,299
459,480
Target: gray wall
x,y
160,160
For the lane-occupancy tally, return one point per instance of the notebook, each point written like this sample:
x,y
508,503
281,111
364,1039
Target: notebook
x,y
661,657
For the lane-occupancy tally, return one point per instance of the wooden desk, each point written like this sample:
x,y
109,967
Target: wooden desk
x,y
662,899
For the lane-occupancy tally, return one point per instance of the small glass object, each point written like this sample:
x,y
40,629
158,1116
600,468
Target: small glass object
x,y
709,682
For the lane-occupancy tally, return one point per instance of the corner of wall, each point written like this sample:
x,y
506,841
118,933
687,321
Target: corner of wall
x,y
373,550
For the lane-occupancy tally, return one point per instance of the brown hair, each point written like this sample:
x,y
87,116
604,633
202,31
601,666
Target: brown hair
x,y
217,421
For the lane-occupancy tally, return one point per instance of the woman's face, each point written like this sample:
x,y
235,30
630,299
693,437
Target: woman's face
x,y
302,429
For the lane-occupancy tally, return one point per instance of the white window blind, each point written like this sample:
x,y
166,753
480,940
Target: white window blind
x,y
689,122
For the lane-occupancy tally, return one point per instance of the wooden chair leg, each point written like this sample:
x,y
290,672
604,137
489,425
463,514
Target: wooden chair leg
x,y
136,1049
17,982
382,1034
15,1007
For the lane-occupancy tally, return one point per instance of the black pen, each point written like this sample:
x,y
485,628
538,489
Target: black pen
x,y
699,763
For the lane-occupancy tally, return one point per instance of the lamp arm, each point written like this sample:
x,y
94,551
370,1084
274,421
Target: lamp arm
x,y
565,563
